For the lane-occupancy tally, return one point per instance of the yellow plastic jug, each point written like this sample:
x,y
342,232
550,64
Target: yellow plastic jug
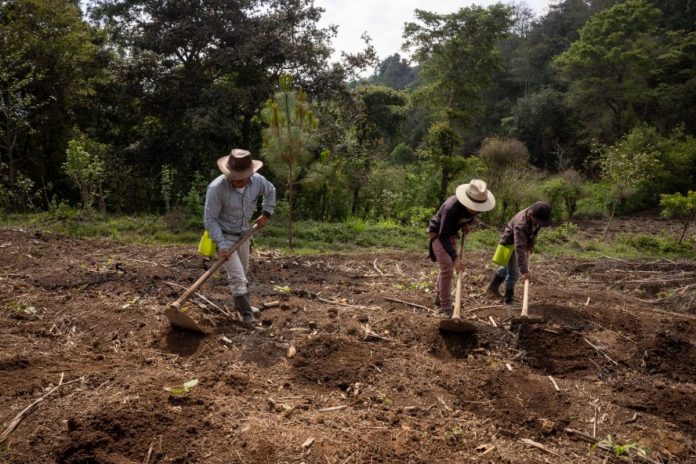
x,y
502,254
206,246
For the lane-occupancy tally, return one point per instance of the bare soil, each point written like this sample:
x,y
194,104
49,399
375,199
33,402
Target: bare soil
x,y
371,380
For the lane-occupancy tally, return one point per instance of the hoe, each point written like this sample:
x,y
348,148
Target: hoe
x,y
177,316
456,324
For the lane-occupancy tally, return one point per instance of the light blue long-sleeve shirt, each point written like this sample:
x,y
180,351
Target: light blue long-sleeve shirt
x,y
228,211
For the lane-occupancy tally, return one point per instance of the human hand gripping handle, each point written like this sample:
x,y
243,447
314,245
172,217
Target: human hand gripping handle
x,y
527,276
258,224
224,255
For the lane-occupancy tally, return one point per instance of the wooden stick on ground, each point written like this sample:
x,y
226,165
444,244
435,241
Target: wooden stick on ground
x,y
149,453
485,307
600,351
555,385
407,303
24,412
533,443
333,408
374,264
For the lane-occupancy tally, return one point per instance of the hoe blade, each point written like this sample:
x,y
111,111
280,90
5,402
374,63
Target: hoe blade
x,y
181,320
457,325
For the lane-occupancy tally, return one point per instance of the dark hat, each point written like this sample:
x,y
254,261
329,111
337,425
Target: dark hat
x,y
542,213
238,164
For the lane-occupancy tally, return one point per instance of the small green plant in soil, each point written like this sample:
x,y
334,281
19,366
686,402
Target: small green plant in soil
x,y
619,450
183,389
20,307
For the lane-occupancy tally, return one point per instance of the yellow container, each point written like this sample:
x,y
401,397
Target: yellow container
x,y
502,254
206,246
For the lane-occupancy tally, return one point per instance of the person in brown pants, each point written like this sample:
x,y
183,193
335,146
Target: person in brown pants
x,y
455,214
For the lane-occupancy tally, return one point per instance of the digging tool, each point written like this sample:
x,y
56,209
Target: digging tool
x,y
525,317
178,317
456,324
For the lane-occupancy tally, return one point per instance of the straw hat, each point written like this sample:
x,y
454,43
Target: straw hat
x,y
475,195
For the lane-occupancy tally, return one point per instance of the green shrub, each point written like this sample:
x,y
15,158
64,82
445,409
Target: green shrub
x,y
595,199
562,233
680,207
652,244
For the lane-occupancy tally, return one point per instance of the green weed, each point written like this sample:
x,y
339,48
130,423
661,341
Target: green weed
x,y
183,389
620,450
20,307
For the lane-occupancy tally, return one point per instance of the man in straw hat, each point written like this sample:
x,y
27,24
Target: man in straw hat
x,y
520,232
230,202
456,213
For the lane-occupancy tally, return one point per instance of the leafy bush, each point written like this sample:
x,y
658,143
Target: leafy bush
x,y
402,154
563,193
17,194
356,225
680,207
594,201
85,168
562,233
648,243
500,153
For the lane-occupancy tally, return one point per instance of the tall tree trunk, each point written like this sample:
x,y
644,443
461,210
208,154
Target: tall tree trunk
x,y
611,217
686,226
290,207
444,180
356,198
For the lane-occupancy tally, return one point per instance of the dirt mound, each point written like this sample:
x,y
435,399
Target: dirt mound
x,y
124,433
676,405
555,351
566,317
671,354
337,361
527,400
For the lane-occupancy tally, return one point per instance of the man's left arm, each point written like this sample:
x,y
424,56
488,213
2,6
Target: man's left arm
x,y
269,201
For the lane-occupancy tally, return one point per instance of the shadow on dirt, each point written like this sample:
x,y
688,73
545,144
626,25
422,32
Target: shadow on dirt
x,y
553,353
182,342
337,361
459,345
561,315
672,354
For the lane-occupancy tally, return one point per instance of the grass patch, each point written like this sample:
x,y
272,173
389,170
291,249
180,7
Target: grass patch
x,y
353,235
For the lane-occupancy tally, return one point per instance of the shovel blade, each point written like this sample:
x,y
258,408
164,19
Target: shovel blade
x,y
527,320
181,320
457,325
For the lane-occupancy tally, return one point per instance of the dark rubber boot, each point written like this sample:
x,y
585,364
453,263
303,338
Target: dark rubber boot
x,y
494,286
436,300
509,296
243,307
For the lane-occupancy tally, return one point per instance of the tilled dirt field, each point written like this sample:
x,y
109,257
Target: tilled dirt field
x,y
372,380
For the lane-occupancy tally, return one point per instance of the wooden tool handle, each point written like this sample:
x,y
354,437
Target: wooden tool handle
x,y
525,298
456,314
193,288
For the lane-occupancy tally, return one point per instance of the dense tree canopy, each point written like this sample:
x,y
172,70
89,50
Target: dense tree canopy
x,y
149,94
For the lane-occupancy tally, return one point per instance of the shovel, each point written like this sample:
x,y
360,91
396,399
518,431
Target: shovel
x,y
456,324
178,317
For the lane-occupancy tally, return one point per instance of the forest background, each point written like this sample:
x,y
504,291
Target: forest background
x,y
112,118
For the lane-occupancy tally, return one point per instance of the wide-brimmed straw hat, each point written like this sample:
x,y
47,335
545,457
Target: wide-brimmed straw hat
x,y
238,164
475,195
